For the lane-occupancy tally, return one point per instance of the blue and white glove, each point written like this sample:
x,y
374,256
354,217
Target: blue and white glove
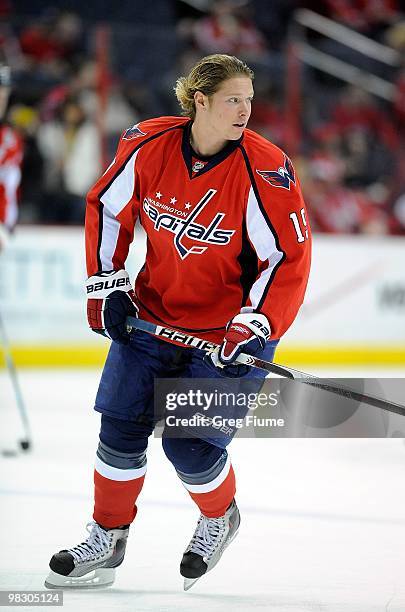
x,y
110,300
247,332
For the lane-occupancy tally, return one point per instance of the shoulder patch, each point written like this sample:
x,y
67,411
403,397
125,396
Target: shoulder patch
x,y
282,177
133,132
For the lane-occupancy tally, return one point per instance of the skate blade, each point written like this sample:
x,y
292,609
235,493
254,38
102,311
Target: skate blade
x,y
99,578
189,582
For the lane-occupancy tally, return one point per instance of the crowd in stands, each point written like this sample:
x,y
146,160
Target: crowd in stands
x,y
350,156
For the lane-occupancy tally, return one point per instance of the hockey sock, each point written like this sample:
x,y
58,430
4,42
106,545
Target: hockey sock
x,y
213,498
114,500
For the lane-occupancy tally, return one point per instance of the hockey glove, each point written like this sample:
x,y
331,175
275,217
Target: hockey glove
x,y
110,300
247,333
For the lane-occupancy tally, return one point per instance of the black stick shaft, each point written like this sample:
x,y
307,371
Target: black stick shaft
x,y
167,333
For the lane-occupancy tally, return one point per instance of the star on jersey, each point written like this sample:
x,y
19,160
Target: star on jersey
x,y
189,228
187,205
173,200
158,195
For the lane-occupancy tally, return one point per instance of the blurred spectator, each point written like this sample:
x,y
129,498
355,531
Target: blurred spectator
x,y
83,87
26,120
71,148
370,17
229,29
334,208
11,153
51,45
356,109
52,37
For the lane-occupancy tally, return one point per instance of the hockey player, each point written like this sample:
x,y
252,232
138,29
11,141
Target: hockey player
x,y
11,153
228,255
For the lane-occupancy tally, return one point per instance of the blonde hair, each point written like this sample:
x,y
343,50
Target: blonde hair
x,y
206,76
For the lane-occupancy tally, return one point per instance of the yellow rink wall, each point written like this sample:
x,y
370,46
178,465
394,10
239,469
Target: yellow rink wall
x,y
90,356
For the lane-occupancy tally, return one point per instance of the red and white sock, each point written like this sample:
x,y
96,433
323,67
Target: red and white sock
x,y
213,498
115,494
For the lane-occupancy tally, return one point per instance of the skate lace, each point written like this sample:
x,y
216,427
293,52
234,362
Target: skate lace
x,y
207,536
96,544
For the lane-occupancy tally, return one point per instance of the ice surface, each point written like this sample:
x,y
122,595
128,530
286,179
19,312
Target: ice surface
x,y
323,521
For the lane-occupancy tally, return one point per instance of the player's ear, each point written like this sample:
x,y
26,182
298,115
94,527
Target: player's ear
x,y
200,100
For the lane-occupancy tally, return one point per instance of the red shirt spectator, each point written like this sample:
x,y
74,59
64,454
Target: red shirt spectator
x,y
225,31
38,43
356,109
11,152
335,209
363,14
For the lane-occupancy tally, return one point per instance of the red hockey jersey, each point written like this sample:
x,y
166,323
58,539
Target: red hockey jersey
x,y
11,153
222,232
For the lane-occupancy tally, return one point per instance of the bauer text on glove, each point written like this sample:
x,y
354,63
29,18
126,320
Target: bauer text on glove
x,y
110,300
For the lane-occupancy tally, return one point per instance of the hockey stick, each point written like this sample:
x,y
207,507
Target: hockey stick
x,y
167,333
26,442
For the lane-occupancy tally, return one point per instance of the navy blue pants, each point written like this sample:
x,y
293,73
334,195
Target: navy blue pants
x,y
125,397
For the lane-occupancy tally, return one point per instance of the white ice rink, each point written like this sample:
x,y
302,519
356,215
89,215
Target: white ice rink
x,y
323,520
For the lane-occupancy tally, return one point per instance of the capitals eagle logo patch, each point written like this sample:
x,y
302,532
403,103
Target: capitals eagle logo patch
x,y
282,177
133,132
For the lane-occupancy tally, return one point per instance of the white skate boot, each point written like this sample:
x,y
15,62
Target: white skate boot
x,y
90,564
211,537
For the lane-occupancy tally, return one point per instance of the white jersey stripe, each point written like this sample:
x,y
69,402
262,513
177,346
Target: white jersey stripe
x,y
214,484
111,229
121,190
114,199
113,473
264,243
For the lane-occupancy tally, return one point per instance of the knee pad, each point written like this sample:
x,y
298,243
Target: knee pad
x,y
125,437
191,455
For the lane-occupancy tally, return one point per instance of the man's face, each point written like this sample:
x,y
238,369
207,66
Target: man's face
x,y
229,108
4,95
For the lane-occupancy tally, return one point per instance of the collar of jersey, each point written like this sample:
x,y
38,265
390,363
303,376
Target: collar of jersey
x,y
213,160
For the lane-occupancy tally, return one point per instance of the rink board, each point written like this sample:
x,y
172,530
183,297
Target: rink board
x,y
353,313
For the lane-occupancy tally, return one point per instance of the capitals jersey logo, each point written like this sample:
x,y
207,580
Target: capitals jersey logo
x,y
133,132
198,166
282,177
189,228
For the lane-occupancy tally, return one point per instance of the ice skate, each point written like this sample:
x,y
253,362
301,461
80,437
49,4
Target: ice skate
x,y
211,537
90,564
